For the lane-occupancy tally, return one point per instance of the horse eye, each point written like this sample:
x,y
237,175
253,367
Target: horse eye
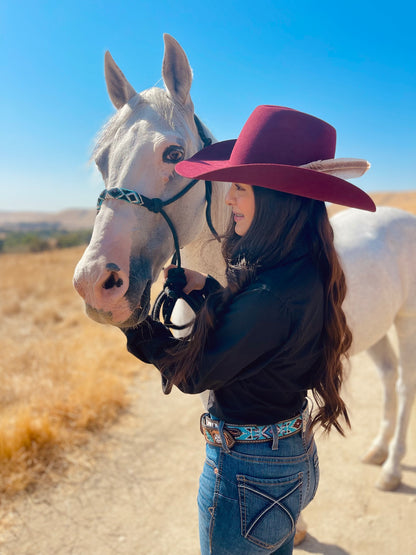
x,y
173,154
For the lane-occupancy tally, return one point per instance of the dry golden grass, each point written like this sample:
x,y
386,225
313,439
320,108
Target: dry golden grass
x,y
61,375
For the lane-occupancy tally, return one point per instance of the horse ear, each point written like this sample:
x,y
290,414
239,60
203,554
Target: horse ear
x,y
119,89
176,71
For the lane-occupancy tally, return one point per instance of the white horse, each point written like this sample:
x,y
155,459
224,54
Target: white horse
x,y
137,151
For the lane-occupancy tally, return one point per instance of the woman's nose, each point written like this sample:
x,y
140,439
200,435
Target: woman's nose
x,y
229,197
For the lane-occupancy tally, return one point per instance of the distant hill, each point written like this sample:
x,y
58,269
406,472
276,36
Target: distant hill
x,y
406,200
68,220
78,219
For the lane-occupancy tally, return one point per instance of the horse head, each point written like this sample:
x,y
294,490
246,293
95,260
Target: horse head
x,y
136,153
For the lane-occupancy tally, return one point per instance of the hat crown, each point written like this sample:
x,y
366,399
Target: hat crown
x,y
278,135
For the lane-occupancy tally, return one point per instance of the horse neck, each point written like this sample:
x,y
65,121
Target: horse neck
x,y
204,253
220,212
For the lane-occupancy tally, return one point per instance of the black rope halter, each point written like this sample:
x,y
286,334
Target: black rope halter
x,y
173,287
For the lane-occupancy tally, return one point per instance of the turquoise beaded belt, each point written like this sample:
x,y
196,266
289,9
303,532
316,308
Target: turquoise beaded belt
x,y
212,431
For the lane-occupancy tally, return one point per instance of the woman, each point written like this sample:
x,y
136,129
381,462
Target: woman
x,y
275,331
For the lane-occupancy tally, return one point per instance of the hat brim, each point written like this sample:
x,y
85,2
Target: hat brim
x,y
212,163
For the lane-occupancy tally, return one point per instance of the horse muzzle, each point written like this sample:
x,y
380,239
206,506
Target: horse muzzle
x,y
111,297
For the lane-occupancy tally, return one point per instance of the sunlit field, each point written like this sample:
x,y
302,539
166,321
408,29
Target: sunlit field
x,y
62,376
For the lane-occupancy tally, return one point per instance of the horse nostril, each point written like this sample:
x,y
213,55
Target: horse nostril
x,y
112,281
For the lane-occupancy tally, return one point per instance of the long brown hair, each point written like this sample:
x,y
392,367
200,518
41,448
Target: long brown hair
x,y
290,222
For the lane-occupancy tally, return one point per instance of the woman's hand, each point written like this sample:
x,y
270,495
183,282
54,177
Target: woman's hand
x,y
194,280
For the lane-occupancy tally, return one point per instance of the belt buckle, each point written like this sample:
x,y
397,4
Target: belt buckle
x,y
212,434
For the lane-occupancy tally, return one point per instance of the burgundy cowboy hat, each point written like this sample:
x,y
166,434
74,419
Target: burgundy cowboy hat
x,y
284,150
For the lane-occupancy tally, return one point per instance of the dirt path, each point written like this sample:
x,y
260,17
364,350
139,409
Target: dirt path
x,y
133,490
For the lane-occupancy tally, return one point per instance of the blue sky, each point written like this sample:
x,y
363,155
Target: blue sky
x,y
352,64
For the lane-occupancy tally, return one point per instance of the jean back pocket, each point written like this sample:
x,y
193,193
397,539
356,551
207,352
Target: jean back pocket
x,y
269,508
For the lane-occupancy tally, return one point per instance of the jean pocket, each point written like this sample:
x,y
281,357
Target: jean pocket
x,y
269,508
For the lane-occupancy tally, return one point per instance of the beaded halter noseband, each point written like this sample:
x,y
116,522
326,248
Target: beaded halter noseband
x,y
173,287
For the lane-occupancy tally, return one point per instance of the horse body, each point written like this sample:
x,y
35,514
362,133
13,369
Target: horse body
x,y
378,254
130,244
379,267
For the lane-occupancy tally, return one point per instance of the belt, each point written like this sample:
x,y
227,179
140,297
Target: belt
x,y
247,433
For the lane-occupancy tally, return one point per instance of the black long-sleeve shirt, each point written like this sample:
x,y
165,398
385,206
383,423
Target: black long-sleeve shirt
x,y
261,359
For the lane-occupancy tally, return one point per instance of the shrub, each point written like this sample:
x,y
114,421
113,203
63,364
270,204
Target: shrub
x,y
42,240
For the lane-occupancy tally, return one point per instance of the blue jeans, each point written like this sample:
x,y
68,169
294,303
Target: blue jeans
x,y
250,496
